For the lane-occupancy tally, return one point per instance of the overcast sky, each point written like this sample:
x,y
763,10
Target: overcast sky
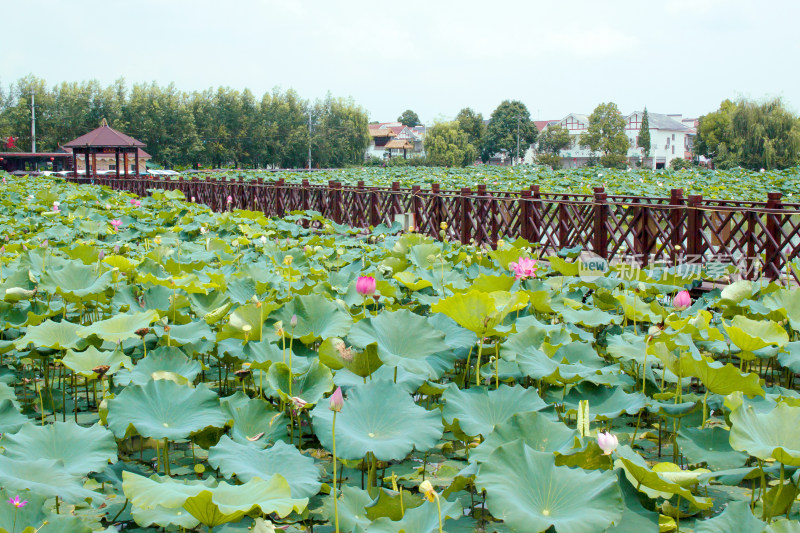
x,y
434,56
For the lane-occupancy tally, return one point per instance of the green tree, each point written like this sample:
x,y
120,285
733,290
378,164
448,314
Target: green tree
x,y
751,135
409,118
606,135
447,145
643,140
549,145
509,126
472,124
340,135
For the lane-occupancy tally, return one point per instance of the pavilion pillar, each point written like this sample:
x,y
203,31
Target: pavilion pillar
x,y
116,158
86,161
136,158
94,163
75,163
125,156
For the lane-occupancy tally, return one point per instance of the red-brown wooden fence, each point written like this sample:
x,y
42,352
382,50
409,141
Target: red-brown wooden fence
x,y
669,230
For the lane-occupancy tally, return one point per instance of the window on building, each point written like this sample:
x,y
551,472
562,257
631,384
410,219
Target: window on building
x,y
667,142
673,149
635,123
673,136
112,167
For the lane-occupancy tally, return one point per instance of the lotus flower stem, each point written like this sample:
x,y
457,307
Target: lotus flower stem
x,y
466,368
705,410
478,363
777,495
763,493
335,494
158,458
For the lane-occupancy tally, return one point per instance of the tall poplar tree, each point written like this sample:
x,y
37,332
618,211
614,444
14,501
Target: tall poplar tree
x,y
643,140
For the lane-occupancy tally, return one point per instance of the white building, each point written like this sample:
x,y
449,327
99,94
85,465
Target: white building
x,y
670,138
393,139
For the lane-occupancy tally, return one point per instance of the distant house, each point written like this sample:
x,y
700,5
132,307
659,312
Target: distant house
x,y
393,139
670,138
107,161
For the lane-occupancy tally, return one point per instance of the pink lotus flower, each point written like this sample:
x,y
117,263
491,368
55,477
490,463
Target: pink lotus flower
x,y
607,442
525,268
56,209
15,501
192,199
365,285
682,300
337,400
298,402
116,223
229,200
136,203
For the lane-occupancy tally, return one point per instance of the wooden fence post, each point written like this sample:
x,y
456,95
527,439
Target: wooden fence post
x,y
435,210
464,201
525,214
695,242
774,245
676,229
416,207
600,237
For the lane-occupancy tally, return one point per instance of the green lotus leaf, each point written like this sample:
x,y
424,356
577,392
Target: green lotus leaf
x,y
736,292
164,410
652,483
479,312
164,517
352,504
605,403
164,359
531,493
590,318
408,381
637,310
255,422
45,477
55,335
422,519
711,446
85,362
262,354
226,503
378,417
736,518
722,379
248,462
783,525
186,333
790,356
76,281
311,385
403,339
17,286
335,354
536,430
675,474
10,418
81,450
635,517
317,318
772,435
387,504
751,335
479,411
120,327
246,322
160,491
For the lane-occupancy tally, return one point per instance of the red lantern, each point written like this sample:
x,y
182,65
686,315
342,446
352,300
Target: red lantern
x,y
52,158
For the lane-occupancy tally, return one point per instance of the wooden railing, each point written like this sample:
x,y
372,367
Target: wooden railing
x,y
760,237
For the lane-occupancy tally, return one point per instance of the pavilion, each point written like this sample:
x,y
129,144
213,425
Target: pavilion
x,y
104,140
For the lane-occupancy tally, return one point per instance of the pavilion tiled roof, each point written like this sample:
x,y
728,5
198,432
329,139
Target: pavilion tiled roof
x,y
105,136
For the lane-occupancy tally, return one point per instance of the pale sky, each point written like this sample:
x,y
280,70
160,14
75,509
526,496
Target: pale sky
x,y
435,56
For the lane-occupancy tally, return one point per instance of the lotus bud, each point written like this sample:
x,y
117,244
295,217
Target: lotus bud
x,y
298,402
365,285
116,249
293,321
193,199
607,442
287,261
682,300
263,239
443,226
337,400
101,255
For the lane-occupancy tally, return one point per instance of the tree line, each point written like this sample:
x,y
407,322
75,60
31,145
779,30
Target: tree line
x,y
211,128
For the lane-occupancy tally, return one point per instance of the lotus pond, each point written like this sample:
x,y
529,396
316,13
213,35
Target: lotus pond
x,y
169,368
734,184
